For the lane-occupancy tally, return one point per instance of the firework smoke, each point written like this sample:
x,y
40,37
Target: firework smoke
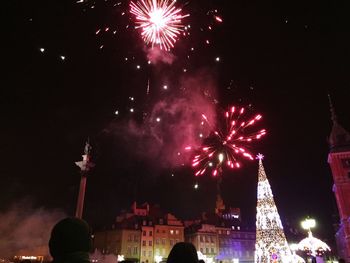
x,y
156,55
173,123
26,231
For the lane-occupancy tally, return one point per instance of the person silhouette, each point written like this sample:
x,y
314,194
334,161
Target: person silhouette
x,y
183,253
70,241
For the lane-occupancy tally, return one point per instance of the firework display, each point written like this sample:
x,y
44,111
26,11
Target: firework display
x,y
159,21
225,147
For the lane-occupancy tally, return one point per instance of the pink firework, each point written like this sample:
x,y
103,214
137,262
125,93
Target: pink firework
x,y
226,146
159,21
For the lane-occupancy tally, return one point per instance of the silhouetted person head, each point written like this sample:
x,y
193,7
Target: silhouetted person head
x,y
70,241
183,253
341,260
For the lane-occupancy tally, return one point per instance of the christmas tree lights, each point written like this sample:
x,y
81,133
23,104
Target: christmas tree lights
x,y
271,244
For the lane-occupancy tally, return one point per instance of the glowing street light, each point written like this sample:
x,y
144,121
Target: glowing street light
x,y
157,259
308,223
120,258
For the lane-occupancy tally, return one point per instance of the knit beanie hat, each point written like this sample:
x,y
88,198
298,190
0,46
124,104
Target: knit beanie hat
x,y
68,236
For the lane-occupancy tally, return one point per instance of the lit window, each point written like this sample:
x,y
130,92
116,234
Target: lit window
x,y
144,222
171,231
238,228
176,232
227,232
163,251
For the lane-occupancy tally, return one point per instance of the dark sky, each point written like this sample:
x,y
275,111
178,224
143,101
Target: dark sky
x,y
283,58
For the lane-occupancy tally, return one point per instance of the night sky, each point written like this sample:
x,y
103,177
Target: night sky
x,y
280,58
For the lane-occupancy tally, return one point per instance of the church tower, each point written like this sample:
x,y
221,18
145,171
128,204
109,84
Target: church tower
x,y
339,161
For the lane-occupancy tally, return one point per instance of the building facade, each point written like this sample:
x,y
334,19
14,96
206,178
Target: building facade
x,y
144,235
339,161
220,237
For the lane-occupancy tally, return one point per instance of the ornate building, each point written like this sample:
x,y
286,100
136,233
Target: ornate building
x,y
339,161
143,234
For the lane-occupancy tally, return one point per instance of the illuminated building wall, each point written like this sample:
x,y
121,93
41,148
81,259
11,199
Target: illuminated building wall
x,y
339,161
140,236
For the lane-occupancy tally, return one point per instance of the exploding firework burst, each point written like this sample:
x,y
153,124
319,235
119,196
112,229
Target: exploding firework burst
x,y
226,146
159,20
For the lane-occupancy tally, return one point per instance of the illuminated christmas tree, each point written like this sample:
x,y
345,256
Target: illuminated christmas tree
x,y
271,244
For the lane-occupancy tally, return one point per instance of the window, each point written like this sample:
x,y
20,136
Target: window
x,y
144,233
144,222
163,231
171,242
150,243
211,239
163,251
157,230
176,232
150,253
129,251
206,239
206,250
212,250
228,232
201,238
157,241
172,232
161,221
135,250
220,232
150,233
157,251
238,228
163,241
144,253
129,238
144,243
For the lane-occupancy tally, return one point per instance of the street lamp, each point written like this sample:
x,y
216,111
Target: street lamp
x,y
308,223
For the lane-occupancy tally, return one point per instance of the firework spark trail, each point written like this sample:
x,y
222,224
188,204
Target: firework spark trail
x,y
159,20
228,145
